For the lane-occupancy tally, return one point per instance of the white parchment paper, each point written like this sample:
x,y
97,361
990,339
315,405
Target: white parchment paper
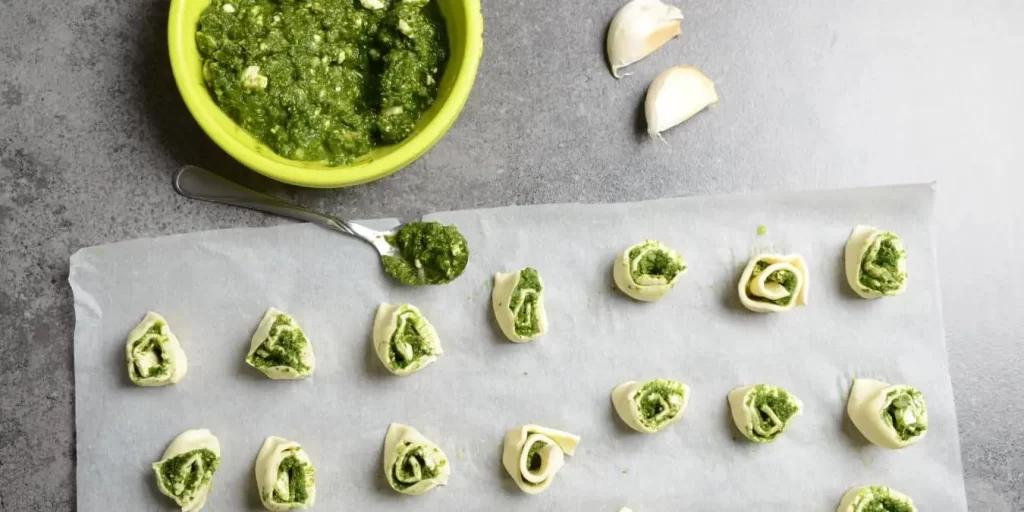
x,y
213,288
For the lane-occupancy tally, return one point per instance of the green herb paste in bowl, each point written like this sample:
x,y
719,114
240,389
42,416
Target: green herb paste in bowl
x,y
323,79
325,93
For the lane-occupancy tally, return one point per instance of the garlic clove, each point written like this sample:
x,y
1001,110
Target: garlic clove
x,y
638,29
675,96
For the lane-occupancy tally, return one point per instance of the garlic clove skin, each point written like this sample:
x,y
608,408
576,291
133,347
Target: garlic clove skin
x,y
676,95
638,29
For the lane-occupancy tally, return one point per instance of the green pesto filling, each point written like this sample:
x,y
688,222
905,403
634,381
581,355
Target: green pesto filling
x,y
408,343
323,80
773,407
152,340
784,277
283,347
429,253
883,501
660,401
299,474
183,476
534,460
414,467
879,269
655,262
525,302
157,328
895,413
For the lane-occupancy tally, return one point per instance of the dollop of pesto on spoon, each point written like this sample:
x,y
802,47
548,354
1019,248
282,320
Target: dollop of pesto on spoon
x,y
428,253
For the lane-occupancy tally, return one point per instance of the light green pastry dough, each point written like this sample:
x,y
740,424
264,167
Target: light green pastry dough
x,y
875,498
154,355
890,416
876,264
285,476
403,339
773,283
412,463
280,349
518,302
762,411
534,454
648,270
185,472
652,405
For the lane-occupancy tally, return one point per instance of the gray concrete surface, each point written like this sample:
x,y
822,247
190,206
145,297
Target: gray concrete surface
x,y
815,94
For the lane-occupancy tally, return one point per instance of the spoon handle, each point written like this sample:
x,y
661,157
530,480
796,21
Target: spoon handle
x,y
198,183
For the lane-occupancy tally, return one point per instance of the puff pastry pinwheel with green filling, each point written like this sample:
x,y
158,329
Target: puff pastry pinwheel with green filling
x,y
762,411
650,406
413,464
403,339
185,472
648,270
518,301
534,454
890,416
285,476
876,264
155,357
773,283
875,498
280,348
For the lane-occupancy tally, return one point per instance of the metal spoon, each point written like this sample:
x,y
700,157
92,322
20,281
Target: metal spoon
x,y
198,183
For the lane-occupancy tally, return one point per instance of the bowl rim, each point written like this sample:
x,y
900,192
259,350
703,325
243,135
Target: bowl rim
x,y
342,176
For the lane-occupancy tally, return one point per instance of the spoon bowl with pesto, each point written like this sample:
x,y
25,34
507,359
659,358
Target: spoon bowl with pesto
x,y
415,253
325,93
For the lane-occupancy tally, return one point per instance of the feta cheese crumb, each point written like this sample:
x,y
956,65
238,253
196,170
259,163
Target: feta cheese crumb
x,y
372,4
404,28
228,8
253,80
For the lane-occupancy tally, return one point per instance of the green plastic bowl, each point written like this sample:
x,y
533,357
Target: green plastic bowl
x,y
465,37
